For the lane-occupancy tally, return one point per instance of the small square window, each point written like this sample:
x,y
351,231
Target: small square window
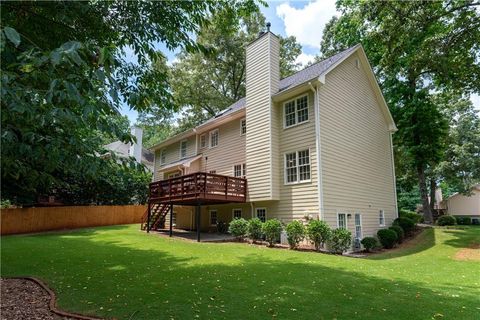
x,y
262,214
237,213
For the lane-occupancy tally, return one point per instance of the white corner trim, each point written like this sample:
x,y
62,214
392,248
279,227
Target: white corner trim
x,y
394,177
318,145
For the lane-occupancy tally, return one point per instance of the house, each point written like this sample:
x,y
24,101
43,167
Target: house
x,y
135,150
314,145
465,205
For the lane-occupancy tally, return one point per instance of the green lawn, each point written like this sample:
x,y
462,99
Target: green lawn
x,y
123,273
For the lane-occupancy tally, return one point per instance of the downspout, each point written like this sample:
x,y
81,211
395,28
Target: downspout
x,y
318,146
394,177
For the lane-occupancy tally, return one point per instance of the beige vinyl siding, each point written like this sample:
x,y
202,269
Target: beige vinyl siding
x,y
229,152
356,151
173,154
461,205
262,76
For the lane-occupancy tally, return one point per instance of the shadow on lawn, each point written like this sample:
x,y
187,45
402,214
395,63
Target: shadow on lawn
x,y
115,278
463,236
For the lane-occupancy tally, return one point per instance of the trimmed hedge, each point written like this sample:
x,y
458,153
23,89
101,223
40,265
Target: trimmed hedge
x,y
318,233
238,228
370,243
340,240
387,238
446,220
411,215
272,229
295,233
464,220
254,229
407,224
399,231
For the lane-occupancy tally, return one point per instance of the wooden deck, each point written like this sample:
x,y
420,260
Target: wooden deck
x,y
197,189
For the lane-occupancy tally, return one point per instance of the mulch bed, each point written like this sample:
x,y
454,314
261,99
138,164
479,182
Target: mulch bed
x,y
29,298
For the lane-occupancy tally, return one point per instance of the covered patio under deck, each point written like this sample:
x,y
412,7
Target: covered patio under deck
x,y
196,189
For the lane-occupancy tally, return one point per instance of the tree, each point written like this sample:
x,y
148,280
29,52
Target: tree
x,y
204,83
416,48
64,75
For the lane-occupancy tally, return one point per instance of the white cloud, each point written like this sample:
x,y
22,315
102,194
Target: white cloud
x,y
475,100
304,58
307,23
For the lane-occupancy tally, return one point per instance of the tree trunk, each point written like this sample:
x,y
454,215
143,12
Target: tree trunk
x,y
427,213
433,188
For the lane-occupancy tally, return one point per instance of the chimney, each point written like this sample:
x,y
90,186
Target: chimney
x,y
136,149
262,80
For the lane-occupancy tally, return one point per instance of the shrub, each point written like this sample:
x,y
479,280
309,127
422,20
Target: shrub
x,y
411,215
407,224
464,220
318,232
272,229
446,220
295,233
399,231
238,228
254,229
370,243
339,241
387,238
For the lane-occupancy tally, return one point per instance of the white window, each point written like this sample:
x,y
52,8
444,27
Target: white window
x,y
183,149
163,156
203,140
240,170
342,221
381,218
297,166
243,127
237,213
296,111
213,217
214,138
174,174
261,214
358,226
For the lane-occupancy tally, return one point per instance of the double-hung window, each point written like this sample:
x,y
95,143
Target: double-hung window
x,y
183,149
240,170
243,127
214,138
203,141
342,221
381,218
296,111
358,226
163,156
237,213
213,217
261,214
297,166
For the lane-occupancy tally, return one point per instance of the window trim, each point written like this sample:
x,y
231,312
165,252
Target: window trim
x,y
233,213
355,224
382,212
338,220
170,174
186,149
210,217
298,181
163,155
206,142
210,138
261,208
241,126
296,111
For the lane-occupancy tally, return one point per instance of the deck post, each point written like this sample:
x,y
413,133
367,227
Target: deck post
x,y
170,233
197,219
148,217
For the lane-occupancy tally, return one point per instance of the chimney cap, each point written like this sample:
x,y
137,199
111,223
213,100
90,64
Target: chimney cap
x,y
268,26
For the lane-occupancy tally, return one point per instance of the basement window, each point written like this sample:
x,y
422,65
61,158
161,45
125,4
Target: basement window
x,y
237,213
262,214
213,217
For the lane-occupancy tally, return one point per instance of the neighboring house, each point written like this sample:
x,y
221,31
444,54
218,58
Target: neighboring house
x,y
316,144
467,206
135,150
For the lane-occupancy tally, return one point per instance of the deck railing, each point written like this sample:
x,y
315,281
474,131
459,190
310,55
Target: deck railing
x,y
198,186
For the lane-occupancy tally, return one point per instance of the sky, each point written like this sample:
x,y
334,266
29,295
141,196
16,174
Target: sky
x,y
303,19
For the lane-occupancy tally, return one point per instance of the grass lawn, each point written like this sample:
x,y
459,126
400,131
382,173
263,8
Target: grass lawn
x,y
123,273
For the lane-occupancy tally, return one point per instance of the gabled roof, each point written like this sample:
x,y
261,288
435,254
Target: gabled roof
x,y
123,150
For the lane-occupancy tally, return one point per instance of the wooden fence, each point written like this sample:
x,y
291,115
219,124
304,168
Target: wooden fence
x,y
28,220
